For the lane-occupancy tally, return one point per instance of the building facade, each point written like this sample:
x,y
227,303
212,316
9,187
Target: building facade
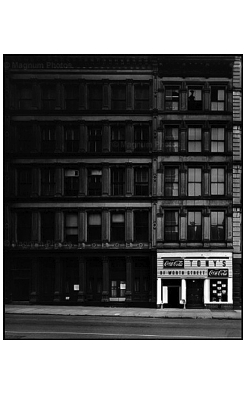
x,y
123,180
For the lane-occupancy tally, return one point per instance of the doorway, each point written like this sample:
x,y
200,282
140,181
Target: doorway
x,y
173,296
195,294
118,290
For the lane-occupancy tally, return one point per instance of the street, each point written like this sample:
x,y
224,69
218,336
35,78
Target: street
x,y
25,327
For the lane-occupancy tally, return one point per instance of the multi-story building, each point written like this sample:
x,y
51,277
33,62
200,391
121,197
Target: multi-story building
x,y
120,179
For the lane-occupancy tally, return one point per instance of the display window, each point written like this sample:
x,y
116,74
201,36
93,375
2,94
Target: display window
x,y
218,291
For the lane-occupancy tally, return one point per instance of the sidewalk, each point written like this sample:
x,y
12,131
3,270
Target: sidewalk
x,y
123,312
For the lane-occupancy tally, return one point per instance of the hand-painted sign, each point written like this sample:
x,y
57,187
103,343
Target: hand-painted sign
x,y
173,263
218,273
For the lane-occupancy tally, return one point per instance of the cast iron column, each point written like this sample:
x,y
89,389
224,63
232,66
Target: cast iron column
x,y
82,280
105,292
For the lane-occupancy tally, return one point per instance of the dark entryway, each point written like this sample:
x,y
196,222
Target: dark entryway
x,y
21,289
173,297
194,294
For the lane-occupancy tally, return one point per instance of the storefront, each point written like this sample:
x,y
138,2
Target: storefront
x,y
194,279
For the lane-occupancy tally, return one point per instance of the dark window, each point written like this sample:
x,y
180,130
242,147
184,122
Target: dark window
x,y
94,227
141,138
48,139
141,97
172,98
24,227
49,97
141,181
25,182
118,139
47,182
94,182
217,99
217,225
194,182
217,140
171,228
72,97
25,101
195,99
95,97
118,95
117,227
218,290
141,226
71,139
171,139
47,226
195,139
25,138
71,184
95,139
117,181
71,228
194,226
171,181
217,181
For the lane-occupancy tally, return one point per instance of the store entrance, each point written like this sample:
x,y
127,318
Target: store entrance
x,y
118,281
173,296
118,290
194,294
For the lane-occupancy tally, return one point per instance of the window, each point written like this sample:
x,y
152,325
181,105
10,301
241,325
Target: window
x,y
141,181
71,228
195,99
47,182
25,182
171,139
25,98
218,290
48,138
71,184
217,181
217,140
172,98
118,94
171,228
217,225
49,97
141,138
194,182
94,227
194,232
195,139
71,139
94,182
47,226
171,181
117,181
117,227
141,97
95,139
72,97
141,226
217,99
118,139
25,138
24,227
95,97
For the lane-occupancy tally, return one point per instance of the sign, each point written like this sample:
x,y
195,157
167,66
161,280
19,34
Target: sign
x,y
180,273
218,273
173,263
76,287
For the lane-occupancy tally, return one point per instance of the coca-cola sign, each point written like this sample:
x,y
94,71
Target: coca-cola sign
x,y
173,263
218,273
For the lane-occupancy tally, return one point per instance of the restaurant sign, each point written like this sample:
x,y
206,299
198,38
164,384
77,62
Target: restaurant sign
x,y
173,263
218,273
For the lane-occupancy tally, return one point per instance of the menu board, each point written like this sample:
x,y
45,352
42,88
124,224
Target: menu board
x,y
218,291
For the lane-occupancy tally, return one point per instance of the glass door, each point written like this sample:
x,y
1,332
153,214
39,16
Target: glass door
x,y
118,289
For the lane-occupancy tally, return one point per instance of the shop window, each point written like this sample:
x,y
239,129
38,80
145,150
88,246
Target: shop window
x,y
95,97
194,182
171,139
217,226
141,181
171,181
47,226
95,139
48,138
71,228
141,226
141,138
118,182
218,290
194,231
25,97
217,181
24,227
172,98
195,99
72,97
48,97
118,96
71,184
94,228
47,182
117,227
118,139
72,139
25,138
141,97
24,182
195,139
171,228
217,99
94,182
217,140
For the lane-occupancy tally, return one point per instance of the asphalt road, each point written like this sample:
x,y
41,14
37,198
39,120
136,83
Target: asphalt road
x,y
24,327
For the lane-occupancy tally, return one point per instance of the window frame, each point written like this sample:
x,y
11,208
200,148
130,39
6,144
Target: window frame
x,y
66,228
93,230
24,227
117,232
141,187
194,140
26,138
195,183
166,169
142,103
93,187
48,144
24,182
116,102
218,183
169,224
71,103
142,144
95,103
141,223
49,226
217,140
217,102
169,140
195,105
212,233
49,102
25,100
71,142
119,144
50,184
71,182
95,139
169,102
191,234
118,185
